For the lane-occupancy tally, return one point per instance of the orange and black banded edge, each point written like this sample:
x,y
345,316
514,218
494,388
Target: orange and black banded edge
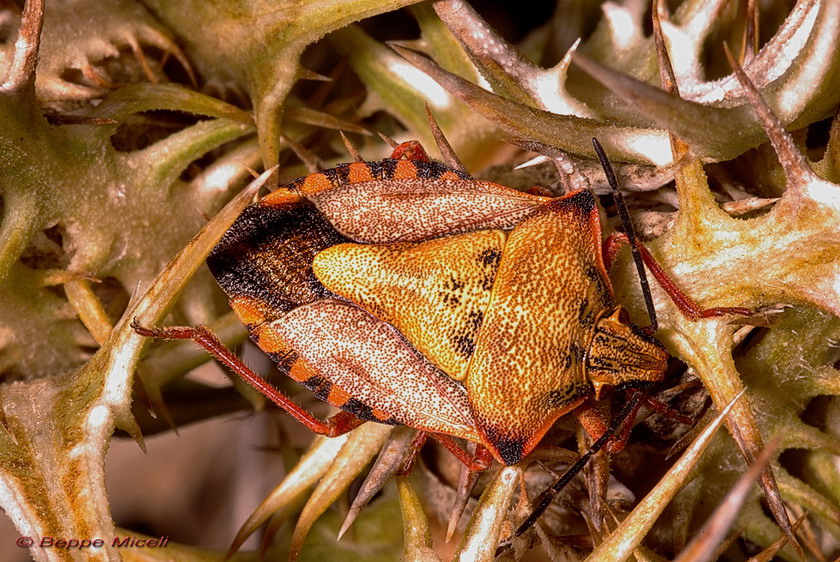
x,y
264,262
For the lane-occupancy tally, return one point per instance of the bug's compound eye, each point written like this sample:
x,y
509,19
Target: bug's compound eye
x,y
623,315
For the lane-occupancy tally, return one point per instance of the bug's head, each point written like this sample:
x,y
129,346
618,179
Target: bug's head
x,y
622,354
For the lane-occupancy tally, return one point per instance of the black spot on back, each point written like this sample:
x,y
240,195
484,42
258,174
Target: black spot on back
x,y
490,257
450,299
510,450
342,172
295,185
284,361
331,175
376,170
464,344
429,170
581,202
454,284
475,319
562,396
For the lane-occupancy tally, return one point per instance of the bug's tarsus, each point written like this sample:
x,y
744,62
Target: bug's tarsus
x,y
664,409
622,433
628,229
416,444
410,150
642,258
548,496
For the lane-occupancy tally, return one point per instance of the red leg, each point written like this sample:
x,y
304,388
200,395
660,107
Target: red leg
x,y
685,303
591,419
619,440
587,417
620,437
481,461
410,150
416,444
610,247
337,425
539,190
664,409
595,425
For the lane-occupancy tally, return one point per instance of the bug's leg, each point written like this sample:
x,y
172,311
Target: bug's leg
x,y
661,407
548,496
591,419
686,304
479,463
611,246
337,425
416,444
595,426
473,466
410,150
467,479
619,441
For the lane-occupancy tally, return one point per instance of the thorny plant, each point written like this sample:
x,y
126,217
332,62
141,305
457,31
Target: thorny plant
x,y
110,152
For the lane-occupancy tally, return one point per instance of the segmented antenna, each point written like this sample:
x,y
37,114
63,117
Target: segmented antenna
x,y
548,496
629,231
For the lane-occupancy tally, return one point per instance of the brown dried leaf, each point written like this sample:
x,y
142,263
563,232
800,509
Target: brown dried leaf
x,y
289,493
573,134
54,473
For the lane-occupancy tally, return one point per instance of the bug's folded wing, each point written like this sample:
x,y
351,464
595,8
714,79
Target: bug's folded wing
x,y
358,358
408,210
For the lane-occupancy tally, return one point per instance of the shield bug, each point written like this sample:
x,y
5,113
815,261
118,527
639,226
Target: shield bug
x,y
406,292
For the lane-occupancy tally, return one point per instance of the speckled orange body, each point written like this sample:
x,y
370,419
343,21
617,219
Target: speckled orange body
x,y
408,293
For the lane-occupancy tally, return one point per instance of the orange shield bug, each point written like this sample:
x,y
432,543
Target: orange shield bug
x,y
406,292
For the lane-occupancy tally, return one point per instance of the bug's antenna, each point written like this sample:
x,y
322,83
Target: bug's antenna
x,y
548,496
628,230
